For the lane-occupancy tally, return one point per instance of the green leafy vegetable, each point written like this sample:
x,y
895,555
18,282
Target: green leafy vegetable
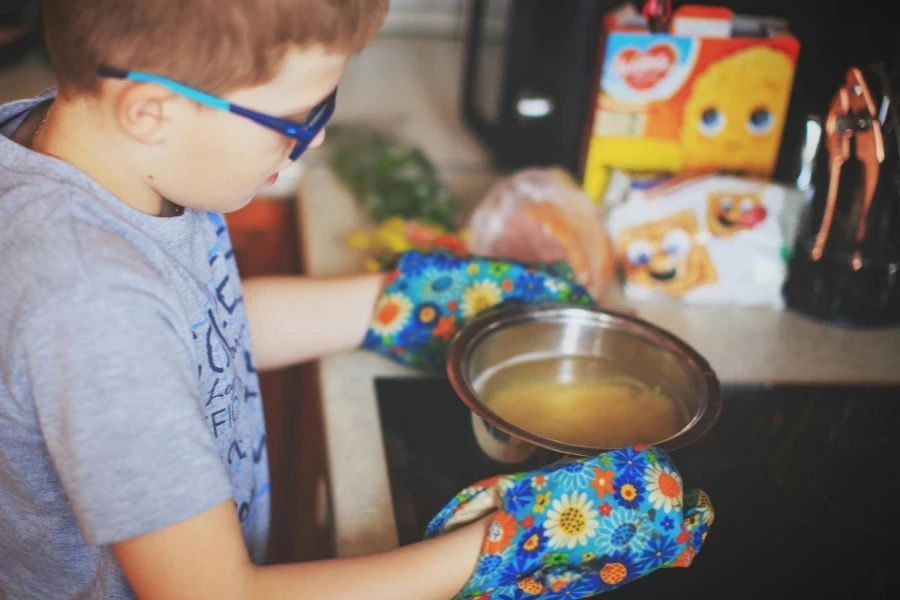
x,y
389,177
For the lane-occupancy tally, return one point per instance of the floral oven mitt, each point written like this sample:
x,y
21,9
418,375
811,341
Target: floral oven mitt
x,y
431,295
580,527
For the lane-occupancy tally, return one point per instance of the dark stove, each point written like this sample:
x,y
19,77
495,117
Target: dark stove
x,y
804,480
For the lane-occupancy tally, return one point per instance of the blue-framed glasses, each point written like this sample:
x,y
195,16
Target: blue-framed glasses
x,y
303,132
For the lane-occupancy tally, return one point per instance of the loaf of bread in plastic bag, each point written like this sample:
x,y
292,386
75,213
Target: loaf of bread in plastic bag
x,y
542,215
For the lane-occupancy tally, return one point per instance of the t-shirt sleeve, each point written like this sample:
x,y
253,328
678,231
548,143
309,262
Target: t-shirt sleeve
x,y
116,393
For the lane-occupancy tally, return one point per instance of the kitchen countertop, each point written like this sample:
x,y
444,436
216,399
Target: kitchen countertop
x,y
416,80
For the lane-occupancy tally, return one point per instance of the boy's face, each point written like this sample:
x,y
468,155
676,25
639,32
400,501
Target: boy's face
x,y
218,161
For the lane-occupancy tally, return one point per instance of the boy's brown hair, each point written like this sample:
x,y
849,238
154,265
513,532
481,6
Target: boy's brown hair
x,y
215,45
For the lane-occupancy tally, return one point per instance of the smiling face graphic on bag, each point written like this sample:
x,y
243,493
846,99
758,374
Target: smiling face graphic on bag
x,y
728,213
665,255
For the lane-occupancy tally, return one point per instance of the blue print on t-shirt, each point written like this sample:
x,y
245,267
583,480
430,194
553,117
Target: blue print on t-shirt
x,y
228,377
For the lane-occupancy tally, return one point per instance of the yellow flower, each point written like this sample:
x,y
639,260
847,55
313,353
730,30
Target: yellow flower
x,y
571,521
391,234
473,269
394,224
391,314
372,265
360,240
395,242
479,297
541,502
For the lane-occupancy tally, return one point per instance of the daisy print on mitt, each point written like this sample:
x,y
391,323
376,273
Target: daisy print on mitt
x,y
431,295
580,527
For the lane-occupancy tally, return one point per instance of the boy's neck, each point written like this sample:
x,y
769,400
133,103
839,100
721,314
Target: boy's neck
x,y
73,133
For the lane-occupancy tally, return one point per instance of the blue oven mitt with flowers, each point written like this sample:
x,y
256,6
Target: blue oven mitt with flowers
x,y
580,527
431,295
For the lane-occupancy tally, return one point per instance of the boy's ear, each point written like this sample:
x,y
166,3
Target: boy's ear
x,y
144,110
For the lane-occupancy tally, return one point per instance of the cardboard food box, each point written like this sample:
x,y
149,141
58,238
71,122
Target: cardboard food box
x,y
709,95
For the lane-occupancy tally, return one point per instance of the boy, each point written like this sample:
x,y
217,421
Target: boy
x,y
132,442
119,474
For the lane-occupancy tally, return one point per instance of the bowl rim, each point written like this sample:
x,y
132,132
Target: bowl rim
x,y
469,337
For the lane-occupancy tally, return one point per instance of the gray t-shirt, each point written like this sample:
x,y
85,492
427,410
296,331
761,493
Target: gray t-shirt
x,y
128,396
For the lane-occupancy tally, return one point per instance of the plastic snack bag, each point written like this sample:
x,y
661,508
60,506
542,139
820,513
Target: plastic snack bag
x,y
543,215
706,240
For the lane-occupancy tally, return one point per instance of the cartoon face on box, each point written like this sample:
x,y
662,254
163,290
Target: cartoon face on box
x,y
664,255
735,111
675,103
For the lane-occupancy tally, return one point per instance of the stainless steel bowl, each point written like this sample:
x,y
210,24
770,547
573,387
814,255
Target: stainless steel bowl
x,y
516,342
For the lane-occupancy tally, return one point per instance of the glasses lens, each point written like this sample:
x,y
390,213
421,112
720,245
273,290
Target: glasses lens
x,y
315,121
320,114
